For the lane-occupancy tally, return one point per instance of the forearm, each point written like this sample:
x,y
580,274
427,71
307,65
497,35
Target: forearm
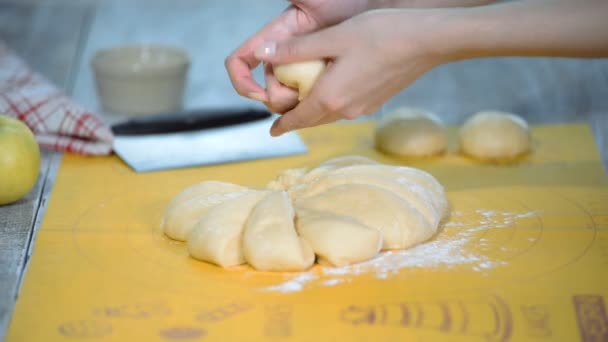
x,y
428,3
345,9
561,28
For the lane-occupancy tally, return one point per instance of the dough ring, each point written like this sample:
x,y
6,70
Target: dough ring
x,y
344,211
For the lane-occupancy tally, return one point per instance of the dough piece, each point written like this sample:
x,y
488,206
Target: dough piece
x,y
203,188
404,174
344,161
189,207
495,136
286,179
337,240
299,177
216,238
419,197
399,222
270,241
301,76
324,169
410,132
335,164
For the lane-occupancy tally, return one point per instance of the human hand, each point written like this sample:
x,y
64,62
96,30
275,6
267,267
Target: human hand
x,y
303,16
372,56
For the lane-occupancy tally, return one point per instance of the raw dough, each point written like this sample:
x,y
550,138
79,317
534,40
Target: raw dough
x,y
205,188
270,240
337,240
191,204
216,238
301,76
419,197
344,161
400,223
495,136
410,132
292,177
329,166
404,174
345,211
286,179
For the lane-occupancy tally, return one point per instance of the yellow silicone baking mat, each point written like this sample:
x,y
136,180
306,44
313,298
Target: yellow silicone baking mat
x,y
524,256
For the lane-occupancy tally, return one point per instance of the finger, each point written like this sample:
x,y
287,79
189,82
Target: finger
x,y
240,62
277,130
332,117
317,45
309,112
306,114
239,71
280,97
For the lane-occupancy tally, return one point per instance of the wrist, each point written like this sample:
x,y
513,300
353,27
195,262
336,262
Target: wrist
x,y
383,4
452,35
428,3
525,28
435,35
345,9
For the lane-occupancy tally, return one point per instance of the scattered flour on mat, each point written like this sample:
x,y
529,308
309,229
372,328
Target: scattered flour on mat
x,y
446,250
295,284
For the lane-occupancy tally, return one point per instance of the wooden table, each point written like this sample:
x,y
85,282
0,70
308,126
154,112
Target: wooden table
x,y
58,38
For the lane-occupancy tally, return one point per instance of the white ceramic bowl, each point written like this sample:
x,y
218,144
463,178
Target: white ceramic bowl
x,y
142,79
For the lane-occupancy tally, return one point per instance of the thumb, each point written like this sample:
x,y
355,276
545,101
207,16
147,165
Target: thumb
x,y
307,47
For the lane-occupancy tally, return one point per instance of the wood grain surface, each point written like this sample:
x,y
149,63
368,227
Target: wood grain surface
x,y
47,36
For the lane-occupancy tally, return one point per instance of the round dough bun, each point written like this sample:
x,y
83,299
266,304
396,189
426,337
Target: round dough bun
x,y
495,136
344,211
301,76
410,132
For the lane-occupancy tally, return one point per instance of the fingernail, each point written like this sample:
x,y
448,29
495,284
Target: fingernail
x,y
257,97
274,130
266,49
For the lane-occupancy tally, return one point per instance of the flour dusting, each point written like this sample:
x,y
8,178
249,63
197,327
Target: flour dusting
x,y
447,250
295,284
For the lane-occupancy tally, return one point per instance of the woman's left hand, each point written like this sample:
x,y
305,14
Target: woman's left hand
x,y
371,56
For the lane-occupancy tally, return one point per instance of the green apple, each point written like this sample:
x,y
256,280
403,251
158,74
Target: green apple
x,y
19,159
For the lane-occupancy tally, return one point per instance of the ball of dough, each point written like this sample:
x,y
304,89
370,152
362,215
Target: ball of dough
x,y
495,136
411,132
301,76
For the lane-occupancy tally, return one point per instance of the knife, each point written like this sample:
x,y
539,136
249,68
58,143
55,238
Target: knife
x,y
201,137
192,120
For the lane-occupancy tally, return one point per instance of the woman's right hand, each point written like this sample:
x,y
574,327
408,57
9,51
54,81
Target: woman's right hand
x,y
303,16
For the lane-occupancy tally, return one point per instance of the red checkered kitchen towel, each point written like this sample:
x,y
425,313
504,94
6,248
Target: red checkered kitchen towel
x,y
58,122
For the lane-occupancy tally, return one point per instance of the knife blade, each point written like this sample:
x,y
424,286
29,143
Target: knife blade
x,y
248,141
192,120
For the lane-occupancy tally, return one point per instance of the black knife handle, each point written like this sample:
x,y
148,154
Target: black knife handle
x,y
193,120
